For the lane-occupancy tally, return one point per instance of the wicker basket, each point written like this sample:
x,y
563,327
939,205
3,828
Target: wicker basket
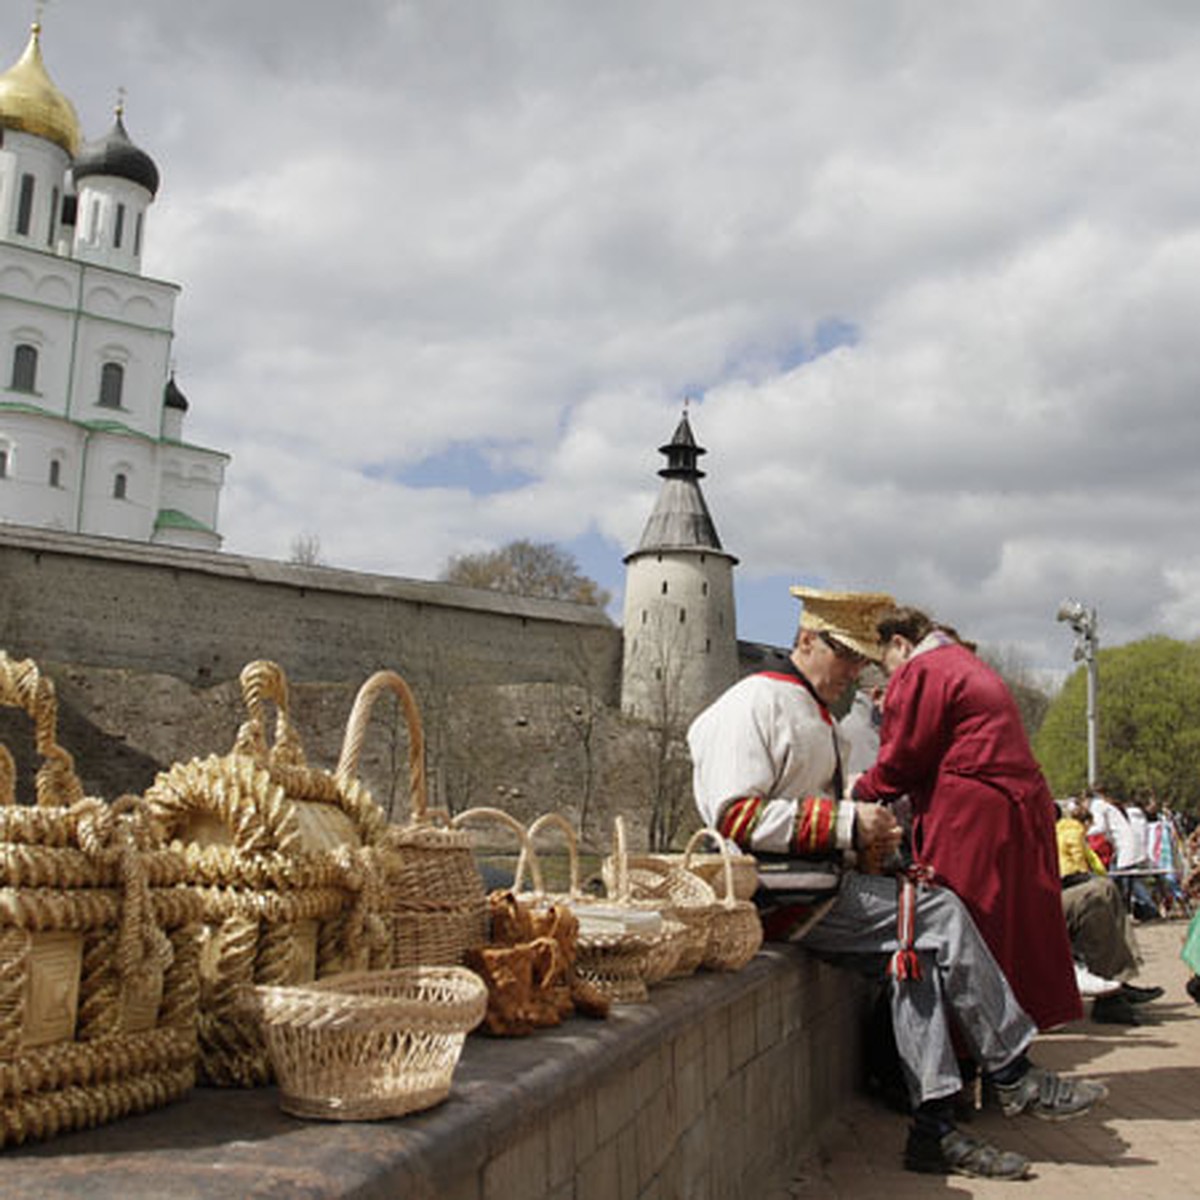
x,y
621,964
711,868
681,895
98,946
284,858
735,931
361,1047
435,898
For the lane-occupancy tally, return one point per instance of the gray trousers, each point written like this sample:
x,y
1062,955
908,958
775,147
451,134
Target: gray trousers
x,y
961,985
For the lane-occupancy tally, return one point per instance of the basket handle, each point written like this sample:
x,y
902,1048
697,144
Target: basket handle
x,y
623,888
23,686
711,835
501,817
262,681
568,831
356,730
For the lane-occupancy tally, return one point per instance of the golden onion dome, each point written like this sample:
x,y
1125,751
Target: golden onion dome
x,y
30,102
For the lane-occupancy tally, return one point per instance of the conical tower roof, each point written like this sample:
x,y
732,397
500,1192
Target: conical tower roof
x,y
30,102
680,520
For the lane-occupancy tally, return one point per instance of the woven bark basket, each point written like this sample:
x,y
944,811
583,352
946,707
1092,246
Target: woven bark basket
x,y
285,860
98,945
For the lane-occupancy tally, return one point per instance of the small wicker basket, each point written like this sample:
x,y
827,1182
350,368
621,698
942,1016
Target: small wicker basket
x,y
735,930
368,1045
435,898
622,964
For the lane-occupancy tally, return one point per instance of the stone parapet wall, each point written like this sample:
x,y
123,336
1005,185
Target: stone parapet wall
x,y
716,1089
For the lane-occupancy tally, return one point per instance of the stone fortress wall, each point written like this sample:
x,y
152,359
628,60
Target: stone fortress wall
x,y
201,616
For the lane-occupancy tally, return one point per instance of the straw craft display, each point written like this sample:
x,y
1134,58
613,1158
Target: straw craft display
x,y
681,895
369,1045
735,930
624,944
435,897
711,868
98,946
284,860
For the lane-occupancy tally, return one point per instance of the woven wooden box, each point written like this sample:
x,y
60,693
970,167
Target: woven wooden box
x,y
98,946
283,858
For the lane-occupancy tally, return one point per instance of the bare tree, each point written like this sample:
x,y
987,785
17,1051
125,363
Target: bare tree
x,y
665,766
524,568
306,550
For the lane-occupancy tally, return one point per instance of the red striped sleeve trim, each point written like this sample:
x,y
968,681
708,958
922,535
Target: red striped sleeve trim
x,y
739,819
815,821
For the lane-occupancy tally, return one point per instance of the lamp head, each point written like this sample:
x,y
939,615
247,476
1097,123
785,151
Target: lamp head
x,y
1071,610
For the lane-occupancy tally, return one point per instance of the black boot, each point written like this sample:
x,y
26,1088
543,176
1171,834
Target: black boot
x,y
1114,1010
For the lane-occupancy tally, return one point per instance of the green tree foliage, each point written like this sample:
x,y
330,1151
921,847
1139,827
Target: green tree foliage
x,y
524,568
1148,724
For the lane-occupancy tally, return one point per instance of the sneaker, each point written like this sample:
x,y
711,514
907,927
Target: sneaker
x,y
1044,1094
1140,995
1091,985
958,1153
1114,1010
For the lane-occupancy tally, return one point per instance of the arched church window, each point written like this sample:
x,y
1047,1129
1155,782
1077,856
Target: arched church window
x,y
664,587
112,381
682,615
24,370
120,485
25,206
704,588
55,473
52,224
3,462
119,227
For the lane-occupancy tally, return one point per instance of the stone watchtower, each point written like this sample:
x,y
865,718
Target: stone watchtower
x,y
680,630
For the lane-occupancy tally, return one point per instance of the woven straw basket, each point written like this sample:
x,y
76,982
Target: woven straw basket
x,y
435,896
98,947
681,895
711,868
284,859
735,931
620,965
361,1047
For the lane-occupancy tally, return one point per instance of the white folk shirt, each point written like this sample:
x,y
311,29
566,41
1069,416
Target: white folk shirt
x,y
767,737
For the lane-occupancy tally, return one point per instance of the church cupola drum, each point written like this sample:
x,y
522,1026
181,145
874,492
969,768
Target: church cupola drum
x,y
91,421
680,627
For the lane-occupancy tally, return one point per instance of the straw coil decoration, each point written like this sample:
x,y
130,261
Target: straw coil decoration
x,y
88,902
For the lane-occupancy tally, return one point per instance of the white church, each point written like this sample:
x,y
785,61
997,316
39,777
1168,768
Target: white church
x,y
91,420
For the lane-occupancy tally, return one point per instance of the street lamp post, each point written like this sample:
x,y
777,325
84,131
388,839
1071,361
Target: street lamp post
x,y
1083,621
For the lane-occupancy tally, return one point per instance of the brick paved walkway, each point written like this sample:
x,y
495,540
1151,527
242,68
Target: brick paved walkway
x,y
1143,1141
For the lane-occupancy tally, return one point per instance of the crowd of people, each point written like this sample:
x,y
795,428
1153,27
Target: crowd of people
x,y
916,841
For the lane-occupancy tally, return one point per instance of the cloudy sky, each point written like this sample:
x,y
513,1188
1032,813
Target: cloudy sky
x,y
930,273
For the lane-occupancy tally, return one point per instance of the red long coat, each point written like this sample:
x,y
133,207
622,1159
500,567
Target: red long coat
x,y
983,816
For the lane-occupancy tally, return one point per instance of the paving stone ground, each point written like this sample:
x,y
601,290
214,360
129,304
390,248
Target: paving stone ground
x,y
1143,1141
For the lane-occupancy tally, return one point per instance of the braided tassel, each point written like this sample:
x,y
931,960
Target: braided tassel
x,y
905,964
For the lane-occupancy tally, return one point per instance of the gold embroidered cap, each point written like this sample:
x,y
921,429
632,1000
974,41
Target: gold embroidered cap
x,y
847,617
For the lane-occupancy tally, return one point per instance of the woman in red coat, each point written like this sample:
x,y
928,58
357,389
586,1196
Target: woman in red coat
x,y
983,817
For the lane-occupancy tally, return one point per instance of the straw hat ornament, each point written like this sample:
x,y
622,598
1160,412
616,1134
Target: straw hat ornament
x,y
847,617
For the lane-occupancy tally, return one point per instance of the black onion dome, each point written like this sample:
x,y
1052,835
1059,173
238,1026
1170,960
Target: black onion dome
x,y
115,154
173,397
